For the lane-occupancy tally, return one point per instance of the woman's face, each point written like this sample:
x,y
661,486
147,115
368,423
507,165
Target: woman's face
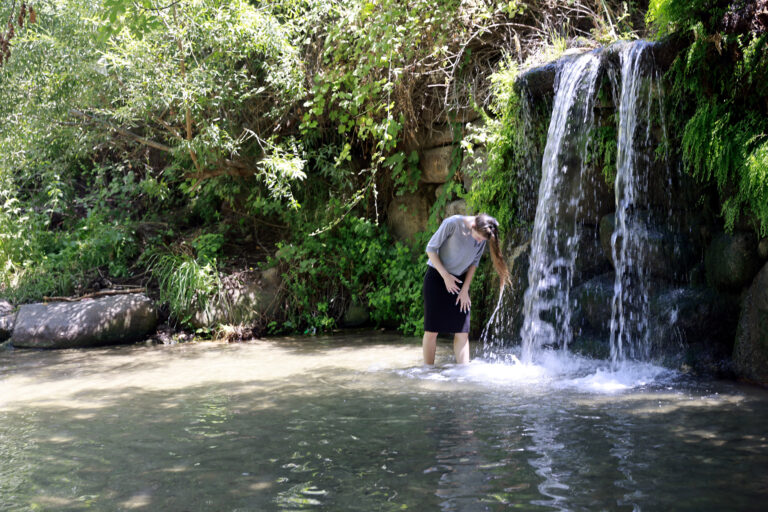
x,y
478,236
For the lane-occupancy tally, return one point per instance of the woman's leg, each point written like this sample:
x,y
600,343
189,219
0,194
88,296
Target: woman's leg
x,y
429,346
461,347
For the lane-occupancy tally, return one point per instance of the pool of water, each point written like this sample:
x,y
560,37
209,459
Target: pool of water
x,y
355,423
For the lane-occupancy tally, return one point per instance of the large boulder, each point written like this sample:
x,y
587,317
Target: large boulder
x,y
87,323
750,354
436,164
7,320
732,261
246,299
407,215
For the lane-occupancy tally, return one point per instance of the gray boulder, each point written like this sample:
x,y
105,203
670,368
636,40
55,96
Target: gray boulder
x,y
86,323
246,299
436,164
750,354
731,261
457,207
407,215
7,320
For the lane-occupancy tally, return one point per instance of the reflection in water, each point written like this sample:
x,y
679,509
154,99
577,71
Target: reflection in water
x,y
346,425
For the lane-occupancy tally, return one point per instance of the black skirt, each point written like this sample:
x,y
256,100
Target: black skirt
x,y
441,312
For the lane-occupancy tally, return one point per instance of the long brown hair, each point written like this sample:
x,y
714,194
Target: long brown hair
x,y
489,227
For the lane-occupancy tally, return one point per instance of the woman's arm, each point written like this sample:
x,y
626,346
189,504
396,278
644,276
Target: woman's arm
x,y
451,282
463,298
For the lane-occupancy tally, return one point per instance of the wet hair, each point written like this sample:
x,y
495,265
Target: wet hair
x,y
489,227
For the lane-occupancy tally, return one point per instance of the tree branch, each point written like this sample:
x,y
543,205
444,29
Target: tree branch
x,y
121,131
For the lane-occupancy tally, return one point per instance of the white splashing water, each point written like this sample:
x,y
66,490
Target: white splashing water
x,y
555,235
553,370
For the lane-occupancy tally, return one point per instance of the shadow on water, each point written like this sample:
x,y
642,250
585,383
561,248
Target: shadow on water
x,y
353,425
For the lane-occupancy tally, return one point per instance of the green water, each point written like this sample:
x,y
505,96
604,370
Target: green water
x,y
355,423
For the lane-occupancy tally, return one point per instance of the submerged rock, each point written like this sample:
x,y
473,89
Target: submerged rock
x,y
750,354
732,261
86,323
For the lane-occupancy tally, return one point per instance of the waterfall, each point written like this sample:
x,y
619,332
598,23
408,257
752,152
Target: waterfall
x,y
630,308
546,305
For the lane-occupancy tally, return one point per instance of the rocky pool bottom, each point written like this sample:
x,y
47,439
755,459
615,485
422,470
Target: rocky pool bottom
x,y
356,423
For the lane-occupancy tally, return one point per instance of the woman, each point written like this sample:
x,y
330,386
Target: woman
x,y
454,252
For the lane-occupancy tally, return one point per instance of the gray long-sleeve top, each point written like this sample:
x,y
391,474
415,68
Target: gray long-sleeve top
x,y
455,246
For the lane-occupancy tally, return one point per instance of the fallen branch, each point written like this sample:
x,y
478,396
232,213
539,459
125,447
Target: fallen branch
x,y
101,293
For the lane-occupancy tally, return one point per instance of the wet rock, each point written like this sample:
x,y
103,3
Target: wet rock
x,y
592,303
597,197
590,258
762,249
407,215
508,321
436,164
731,261
247,299
591,345
697,323
750,354
86,323
669,254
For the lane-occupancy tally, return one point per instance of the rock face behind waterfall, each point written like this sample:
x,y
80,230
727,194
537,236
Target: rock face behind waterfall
x,y
87,323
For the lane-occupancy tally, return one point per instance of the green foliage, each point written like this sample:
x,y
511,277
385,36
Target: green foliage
x,y
355,262
507,142
185,283
718,88
668,16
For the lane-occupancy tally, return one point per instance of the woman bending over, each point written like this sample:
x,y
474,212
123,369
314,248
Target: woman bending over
x,y
454,253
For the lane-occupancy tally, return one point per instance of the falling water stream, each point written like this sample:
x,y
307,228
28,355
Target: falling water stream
x,y
630,307
555,232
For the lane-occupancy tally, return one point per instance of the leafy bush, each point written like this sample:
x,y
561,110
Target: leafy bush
x,y
355,262
719,83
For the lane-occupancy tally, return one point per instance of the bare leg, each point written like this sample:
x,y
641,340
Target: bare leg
x,y
429,347
461,347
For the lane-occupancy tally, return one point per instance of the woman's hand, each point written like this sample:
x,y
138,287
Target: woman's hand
x,y
463,301
451,283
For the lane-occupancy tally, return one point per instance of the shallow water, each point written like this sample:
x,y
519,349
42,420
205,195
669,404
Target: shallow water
x,y
355,423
